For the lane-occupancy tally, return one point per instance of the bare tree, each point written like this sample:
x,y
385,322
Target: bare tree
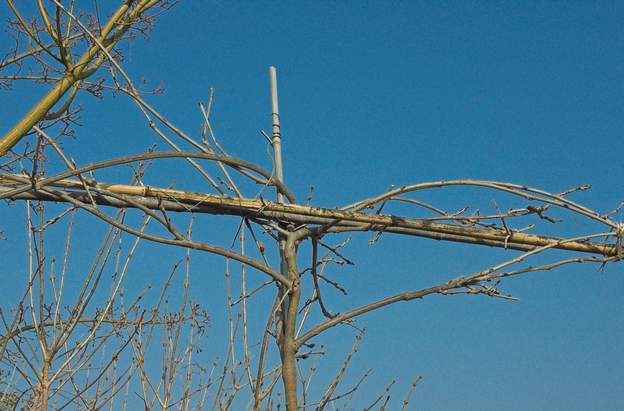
x,y
83,346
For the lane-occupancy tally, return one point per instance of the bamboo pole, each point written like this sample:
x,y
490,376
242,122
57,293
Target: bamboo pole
x,y
184,201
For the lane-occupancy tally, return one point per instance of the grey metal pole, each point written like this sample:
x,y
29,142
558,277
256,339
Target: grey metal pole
x,y
276,140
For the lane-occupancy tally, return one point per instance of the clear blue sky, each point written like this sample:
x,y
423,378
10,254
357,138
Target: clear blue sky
x,y
380,93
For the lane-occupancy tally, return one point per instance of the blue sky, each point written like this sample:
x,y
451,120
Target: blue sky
x,y
374,94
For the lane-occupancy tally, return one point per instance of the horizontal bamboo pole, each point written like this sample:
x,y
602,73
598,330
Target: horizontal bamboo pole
x,y
185,201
